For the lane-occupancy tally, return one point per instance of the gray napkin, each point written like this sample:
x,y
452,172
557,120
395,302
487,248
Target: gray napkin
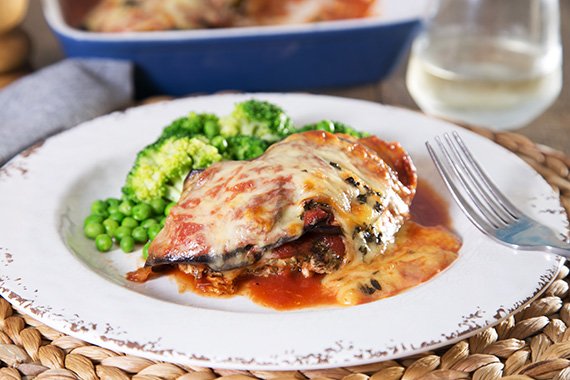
x,y
59,97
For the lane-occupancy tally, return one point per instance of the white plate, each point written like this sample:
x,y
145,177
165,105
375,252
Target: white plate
x,y
50,271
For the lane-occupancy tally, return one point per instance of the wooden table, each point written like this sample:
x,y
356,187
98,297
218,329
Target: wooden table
x,y
551,129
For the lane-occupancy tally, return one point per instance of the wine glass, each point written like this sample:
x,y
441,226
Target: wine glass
x,y
491,63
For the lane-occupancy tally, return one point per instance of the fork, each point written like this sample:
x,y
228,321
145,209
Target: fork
x,y
485,205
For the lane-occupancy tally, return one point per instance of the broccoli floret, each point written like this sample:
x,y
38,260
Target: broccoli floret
x,y
257,118
174,188
194,124
245,147
333,127
161,167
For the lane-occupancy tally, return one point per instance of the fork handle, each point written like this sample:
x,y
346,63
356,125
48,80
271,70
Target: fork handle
x,y
533,236
562,249
552,242
554,245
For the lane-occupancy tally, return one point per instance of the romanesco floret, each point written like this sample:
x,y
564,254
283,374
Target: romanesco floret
x,y
257,118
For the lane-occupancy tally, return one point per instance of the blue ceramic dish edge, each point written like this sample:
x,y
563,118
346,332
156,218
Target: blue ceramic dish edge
x,y
282,58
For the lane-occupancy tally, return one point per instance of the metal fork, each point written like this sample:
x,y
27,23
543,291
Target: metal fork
x,y
485,206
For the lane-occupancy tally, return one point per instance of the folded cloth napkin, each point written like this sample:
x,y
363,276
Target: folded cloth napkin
x,y
59,97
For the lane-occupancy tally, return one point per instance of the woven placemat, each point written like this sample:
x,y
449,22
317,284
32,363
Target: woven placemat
x,y
532,344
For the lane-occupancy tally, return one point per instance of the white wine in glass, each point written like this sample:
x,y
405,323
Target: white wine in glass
x,y
480,65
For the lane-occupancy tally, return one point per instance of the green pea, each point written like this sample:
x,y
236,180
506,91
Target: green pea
x,y
129,222
140,235
93,229
220,143
127,244
99,207
117,215
211,129
145,250
330,128
148,223
103,242
126,207
93,219
111,226
122,232
158,205
141,212
112,202
168,207
153,231
112,209
326,126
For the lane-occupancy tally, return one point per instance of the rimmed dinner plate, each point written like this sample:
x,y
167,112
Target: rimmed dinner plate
x,y
50,271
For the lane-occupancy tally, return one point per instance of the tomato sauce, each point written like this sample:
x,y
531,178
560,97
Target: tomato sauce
x,y
266,10
288,291
429,208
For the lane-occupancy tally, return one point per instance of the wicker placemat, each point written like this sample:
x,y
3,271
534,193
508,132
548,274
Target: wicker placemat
x,y
533,344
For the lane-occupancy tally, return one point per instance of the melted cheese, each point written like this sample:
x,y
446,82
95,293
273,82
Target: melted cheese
x,y
418,254
233,212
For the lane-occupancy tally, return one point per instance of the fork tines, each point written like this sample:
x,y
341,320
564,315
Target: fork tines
x,y
458,166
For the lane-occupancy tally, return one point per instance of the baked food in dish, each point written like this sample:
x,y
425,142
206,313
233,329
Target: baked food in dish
x,y
316,204
152,15
148,15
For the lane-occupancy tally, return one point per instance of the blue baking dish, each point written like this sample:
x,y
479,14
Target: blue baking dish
x,y
267,58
